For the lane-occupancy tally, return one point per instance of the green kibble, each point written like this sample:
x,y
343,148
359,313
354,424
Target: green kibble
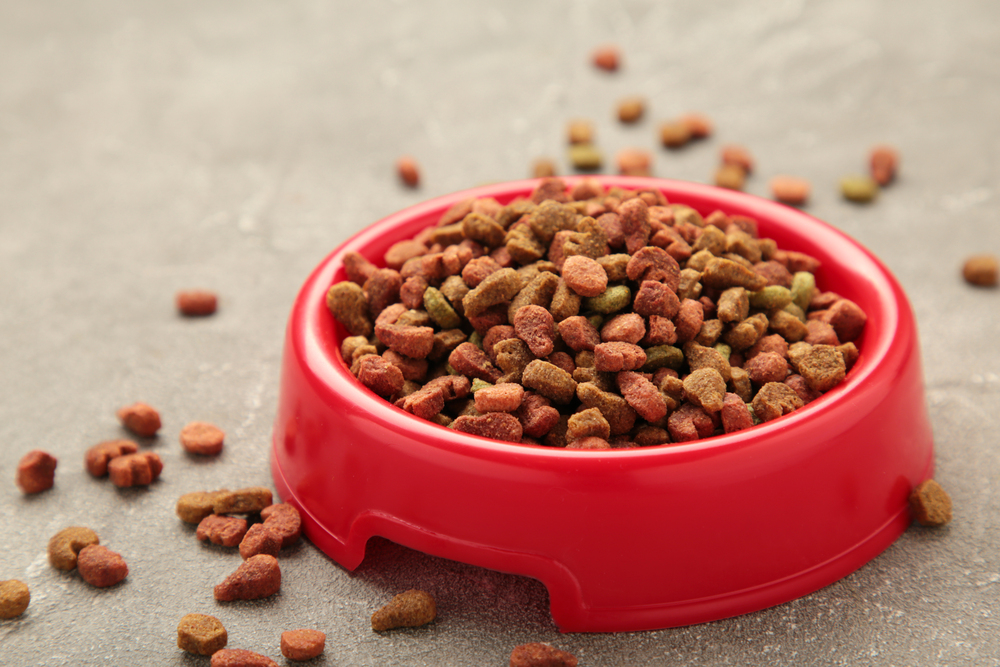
x,y
796,311
610,300
440,310
753,415
478,384
442,419
596,321
724,350
585,157
663,356
803,286
476,339
451,371
858,188
772,297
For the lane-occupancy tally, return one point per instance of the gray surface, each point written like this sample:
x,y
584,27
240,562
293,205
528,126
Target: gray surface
x,y
146,147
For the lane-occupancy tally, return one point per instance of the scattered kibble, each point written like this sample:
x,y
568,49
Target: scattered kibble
x,y
631,109
100,455
225,530
257,577
302,644
858,188
238,657
242,501
699,126
731,176
585,157
930,504
543,168
537,654
65,546
407,610
139,469
739,156
14,598
883,162
100,567
196,302
202,438
607,57
195,506
981,270
141,419
201,634
580,131
790,189
634,162
674,134
408,170
36,472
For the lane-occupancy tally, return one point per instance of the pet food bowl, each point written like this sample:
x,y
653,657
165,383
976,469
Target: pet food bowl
x,y
630,539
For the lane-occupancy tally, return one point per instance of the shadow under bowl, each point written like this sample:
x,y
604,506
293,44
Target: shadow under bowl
x,y
631,539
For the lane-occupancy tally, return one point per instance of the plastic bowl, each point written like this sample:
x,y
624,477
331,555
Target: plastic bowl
x,y
623,539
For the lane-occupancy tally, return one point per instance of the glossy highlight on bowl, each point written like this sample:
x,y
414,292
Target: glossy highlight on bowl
x,y
630,539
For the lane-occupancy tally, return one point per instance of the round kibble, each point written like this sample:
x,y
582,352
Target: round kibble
x,y
196,302
302,644
201,634
408,171
101,567
674,134
14,598
790,189
981,270
543,168
580,131
202,438
698,125
858,188
607,57
631,109
141,419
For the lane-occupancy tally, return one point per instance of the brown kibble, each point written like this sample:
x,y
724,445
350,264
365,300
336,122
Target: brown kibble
x,y
201,634
543,168
196,303
195,506
242,501
140,469
257,577
65,546
379,375
407,610
408,170
587,423
141,419
14,598
822,367
302,644
550,381
284,521
705,388
349,305
739,156
537,654
631,109
767,367
97,457
790,189
607,57
591,442
36,471
535,326
674,134
634,162
238,657
505,397
202,438
731,176
698,125
775,399
884,162
580,131
981,270
584,276
225,530
495,425
930,504
260,539
101,567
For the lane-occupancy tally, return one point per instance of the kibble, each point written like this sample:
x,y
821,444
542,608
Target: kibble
x,y
201,634
862,189
36,472
196,303
14,598
238,657
585,157
225,530
257,577
139,469
284,521
100,567
195,506
202,438
537,654
588,318
141,419
408,170
790,189
242,501
406,610
883,162
607,57
302,644
930,504
631,109
65,546
981,270
97,457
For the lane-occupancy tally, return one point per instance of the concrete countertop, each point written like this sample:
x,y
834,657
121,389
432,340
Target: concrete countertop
x,y
149,147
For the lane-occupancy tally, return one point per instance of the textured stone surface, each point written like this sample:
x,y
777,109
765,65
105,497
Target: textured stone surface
x,y
152,147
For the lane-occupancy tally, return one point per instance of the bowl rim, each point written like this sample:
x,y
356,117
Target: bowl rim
x,y
323,357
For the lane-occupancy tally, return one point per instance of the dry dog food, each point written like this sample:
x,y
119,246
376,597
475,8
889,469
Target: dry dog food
x,y
739,156
407,610
139,469
631,109
790,189
36,471
930,504
202,438
858,188
585,157
65,546
675,133
587,318
607,57
201,634
302,644
242,501
730,176
580,131
634,162
883,162
537,654
225,530
101,567
699,126
543,168
238,657
14,598
195,506
259,539
257,577
141,419
100,455
196,303
981,270
408,170
284,521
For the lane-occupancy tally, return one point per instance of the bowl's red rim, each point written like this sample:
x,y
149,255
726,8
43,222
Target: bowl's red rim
x,y
323,358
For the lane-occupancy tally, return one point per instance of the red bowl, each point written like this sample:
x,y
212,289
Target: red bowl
x,y
623,539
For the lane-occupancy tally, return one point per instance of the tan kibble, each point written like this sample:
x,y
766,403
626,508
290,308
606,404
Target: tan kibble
x,y
14,598
580,132
66,545
631,109
981,270
408,171
201,634
930,504
195,506
543,168
674,134
407,610
242,501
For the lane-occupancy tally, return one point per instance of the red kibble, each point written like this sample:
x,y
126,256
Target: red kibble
x,y
607,57
202,438
408,170
790,189
101,567
302,644
36,472
884,162
141,419
196,303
